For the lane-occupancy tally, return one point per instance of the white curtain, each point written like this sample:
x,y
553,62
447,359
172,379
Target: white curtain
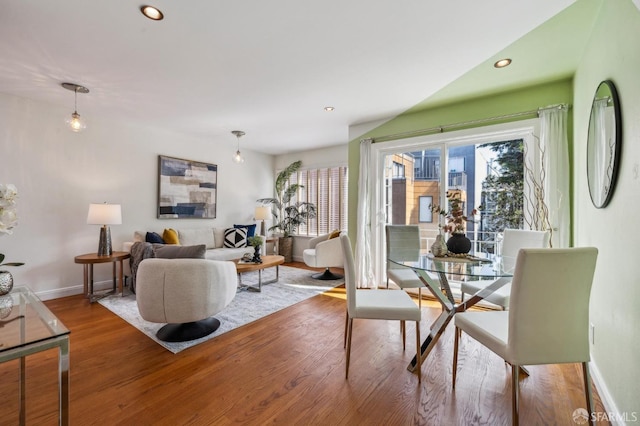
x,y
552,159
364,259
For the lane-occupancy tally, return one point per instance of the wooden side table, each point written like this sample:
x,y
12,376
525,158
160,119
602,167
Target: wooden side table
x,y
90,259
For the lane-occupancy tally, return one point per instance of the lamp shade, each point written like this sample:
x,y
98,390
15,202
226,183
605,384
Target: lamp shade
x,y
104,214
263,213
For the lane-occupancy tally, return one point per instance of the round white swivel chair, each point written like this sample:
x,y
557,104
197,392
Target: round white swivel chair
x,y
185,294
325,251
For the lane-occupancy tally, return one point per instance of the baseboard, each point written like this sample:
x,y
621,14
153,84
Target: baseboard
x,y
605,395
72,291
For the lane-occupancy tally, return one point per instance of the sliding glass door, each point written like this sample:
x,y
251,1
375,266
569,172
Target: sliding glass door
x,y
487,176
485,167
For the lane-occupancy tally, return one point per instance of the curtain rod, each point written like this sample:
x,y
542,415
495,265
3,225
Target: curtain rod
x,y
441,129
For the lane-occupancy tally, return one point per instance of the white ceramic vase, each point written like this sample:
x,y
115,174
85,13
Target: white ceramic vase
x,y
439,247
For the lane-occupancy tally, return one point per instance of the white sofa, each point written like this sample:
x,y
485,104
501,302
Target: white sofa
x,y
212,238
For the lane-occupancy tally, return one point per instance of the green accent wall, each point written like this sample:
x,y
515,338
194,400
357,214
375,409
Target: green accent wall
x,y
613,52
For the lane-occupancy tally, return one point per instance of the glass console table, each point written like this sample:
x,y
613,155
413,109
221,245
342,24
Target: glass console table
x,y
26,327
458,268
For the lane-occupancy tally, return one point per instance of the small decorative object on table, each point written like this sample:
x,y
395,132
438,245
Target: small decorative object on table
x,y
6,306
459,243
8,220
256,241
439,248
456,222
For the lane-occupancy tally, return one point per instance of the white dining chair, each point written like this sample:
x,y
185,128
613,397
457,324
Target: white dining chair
x,y
403,244
514,240
375,304
548,319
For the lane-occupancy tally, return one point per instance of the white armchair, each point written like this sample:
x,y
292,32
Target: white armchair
x,y
184,293
324,252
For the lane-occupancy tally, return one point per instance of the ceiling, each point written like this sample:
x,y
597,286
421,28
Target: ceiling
x,y
269,68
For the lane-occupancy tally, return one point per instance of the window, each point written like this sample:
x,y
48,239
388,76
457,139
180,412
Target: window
x,y
456,164
426,214
327,189
398,170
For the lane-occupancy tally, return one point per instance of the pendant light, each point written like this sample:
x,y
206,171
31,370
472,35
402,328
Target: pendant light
x,y
75,122
237,157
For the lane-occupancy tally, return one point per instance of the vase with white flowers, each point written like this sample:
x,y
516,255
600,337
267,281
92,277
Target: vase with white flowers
x,y
8,221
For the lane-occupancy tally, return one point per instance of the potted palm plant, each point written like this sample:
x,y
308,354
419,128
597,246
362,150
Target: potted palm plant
x,y
288,214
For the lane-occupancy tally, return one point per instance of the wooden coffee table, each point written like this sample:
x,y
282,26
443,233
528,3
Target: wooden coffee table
x,y
267,262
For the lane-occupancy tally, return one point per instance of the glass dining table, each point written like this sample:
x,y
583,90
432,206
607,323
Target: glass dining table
x,y
436,273
27,326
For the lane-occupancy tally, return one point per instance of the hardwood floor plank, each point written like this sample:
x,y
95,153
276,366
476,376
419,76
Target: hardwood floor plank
x,y
287,368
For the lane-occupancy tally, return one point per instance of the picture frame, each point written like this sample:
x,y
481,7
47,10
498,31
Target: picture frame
x,y
187,189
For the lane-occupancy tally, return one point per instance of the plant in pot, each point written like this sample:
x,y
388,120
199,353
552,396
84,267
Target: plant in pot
x,y
288,215
256,242
456,222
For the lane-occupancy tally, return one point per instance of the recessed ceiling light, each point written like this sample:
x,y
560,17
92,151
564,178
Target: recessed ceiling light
x,y
502,63
152,13
329,108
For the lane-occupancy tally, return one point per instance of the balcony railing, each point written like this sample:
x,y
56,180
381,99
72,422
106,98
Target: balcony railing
x,y
457,180
483,242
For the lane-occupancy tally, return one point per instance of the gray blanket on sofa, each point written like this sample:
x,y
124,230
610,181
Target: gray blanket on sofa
x,y
139,252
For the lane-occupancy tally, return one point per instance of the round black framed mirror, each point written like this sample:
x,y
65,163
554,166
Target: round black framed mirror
x,y
604,143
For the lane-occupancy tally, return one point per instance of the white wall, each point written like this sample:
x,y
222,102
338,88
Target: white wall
x,y
58,173
331,156
612,53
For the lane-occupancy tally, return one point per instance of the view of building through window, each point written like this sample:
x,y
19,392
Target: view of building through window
x,y
487,176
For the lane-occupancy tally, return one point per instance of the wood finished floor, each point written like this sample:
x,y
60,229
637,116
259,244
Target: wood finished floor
x,y
287,368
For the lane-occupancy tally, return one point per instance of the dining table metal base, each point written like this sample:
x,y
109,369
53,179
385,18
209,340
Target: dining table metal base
x,y
441,290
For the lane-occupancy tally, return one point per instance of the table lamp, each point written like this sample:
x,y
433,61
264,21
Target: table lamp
x,y
104,214
263,213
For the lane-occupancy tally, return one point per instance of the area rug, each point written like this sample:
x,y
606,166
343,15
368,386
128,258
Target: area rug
x,y
294,285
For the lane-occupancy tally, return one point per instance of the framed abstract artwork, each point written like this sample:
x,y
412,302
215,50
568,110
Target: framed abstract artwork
x,y
186,189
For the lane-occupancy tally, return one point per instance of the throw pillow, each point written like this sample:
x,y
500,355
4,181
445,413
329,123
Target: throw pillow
x,y
196,236
235,237
154,238
170,236
218,237
334,234
251,229
180,252
139,237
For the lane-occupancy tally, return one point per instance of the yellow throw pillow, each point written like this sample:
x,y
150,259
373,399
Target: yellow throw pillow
x,y
334,234
170,236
